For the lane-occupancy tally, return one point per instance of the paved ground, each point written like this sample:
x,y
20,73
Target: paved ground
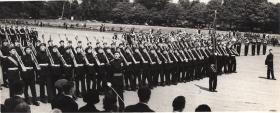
x,y
246,90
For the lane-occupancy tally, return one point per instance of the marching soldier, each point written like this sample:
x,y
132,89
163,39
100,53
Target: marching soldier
x,y
44,78
29,75
259,42
212,73
253,42
61,47
91,68
23,36
264,42
238,46
102,70
11,33
2,35
129,74
80,72
6,52
56,68
146,67
167,67
136,65
155,67
247,42
68,70
161,67
13,65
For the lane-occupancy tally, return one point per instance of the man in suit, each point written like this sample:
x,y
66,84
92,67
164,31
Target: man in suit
x,y
144,95
269,63
65,102
10,104
59,86
91,98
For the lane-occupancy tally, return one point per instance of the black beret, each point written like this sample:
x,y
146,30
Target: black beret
x,y
55,46
27,47
42,44
68,47
11,48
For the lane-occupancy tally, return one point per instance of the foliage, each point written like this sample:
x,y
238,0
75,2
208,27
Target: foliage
x,y
242,15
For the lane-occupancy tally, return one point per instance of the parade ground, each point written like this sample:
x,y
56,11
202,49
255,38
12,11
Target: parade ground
x,y
246,90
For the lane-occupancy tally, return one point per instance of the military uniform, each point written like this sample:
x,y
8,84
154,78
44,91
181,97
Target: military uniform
x,y
91,70
264,42
44,78
80,74
13,72
117,79
102,70
253,45
246,47
258,46
29,78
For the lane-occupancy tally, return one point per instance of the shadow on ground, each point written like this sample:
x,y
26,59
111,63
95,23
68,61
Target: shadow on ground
x,y
201,87
263,77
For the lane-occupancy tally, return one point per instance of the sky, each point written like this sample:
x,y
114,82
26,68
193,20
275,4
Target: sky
x,y
205,1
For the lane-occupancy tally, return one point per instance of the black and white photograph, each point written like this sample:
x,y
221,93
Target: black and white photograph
x,y
74,56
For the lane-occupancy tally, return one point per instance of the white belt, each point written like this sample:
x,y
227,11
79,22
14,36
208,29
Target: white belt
x,y
29,68
13,69
117,74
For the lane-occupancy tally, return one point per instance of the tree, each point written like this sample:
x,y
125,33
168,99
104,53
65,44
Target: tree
x,y
130,13
197,14
149,4
186,4
172,13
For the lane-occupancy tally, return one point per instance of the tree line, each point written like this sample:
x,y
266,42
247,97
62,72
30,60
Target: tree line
x,y
241,15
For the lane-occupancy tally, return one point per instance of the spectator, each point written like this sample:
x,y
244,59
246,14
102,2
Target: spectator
x,y
110,103
65,102
91,98
22,108
144,95
203,108
179,104
59,86
12,103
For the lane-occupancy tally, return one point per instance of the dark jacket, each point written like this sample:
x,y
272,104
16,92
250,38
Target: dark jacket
x,y
11,103
65,104
140,107
269,60
88,108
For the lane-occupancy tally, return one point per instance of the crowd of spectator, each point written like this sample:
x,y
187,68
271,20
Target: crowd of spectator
x,y
65,102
